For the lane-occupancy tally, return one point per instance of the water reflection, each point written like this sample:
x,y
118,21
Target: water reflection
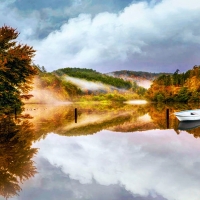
x,y
126,118
188,125
122,152
156,164
16,153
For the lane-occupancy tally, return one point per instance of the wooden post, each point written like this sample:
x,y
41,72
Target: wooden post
x,y
76,116
15,113
167,118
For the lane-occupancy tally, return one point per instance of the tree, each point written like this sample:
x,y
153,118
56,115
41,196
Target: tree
x,y
16,69
183,95
159,97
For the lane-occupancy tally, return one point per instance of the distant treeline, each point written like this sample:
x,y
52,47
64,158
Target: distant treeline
x,y
181,87
140,74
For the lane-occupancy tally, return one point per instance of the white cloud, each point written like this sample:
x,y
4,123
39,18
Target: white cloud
x,y
84,42
151,36
5,3
162,34
25,25
155,160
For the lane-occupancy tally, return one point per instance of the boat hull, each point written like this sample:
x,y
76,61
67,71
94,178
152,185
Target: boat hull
x,y
188,125
188,115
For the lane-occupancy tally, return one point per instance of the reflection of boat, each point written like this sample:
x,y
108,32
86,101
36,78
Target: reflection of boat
x,y
188,115
187,125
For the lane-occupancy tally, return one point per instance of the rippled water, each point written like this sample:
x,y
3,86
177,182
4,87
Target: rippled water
x,y
113,153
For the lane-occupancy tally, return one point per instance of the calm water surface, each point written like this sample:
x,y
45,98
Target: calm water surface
x,y
126,153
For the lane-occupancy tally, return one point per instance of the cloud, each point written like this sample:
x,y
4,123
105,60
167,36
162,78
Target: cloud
x,y
51,15
142,36
11,16
63,187
155,161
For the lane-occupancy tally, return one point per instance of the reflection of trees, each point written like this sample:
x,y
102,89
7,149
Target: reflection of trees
x,y
60,119
92,128
15,156
126,118
195,132
158,114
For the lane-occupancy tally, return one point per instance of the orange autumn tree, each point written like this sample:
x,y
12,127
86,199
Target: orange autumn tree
x,y
16,68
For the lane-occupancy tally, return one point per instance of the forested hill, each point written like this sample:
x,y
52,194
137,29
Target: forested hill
x,y
136,74
83,85
92,75
143,79
182,87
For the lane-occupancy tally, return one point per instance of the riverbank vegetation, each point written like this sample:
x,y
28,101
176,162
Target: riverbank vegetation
x,y
178,87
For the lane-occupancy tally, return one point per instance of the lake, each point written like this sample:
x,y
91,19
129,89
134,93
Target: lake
x,y
129,152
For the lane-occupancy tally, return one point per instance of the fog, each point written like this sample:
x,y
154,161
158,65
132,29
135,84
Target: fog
x,y
44,96
90,85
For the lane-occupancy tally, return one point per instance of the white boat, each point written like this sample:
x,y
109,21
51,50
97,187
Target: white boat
x,y
188,115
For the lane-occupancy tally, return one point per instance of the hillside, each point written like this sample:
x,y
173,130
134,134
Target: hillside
x,y
75,84
143,79
180,87
94,76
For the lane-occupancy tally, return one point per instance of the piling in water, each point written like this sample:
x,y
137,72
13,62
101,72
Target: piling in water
x,y
15,113
76,116
167,118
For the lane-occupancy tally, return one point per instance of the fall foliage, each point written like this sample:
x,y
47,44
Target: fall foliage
x,y
183,87
16,69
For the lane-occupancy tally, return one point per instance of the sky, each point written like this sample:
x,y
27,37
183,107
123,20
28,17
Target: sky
x,y
108,35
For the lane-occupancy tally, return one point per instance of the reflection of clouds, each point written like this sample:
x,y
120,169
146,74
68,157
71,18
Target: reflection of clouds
x,y
154,160
51,183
